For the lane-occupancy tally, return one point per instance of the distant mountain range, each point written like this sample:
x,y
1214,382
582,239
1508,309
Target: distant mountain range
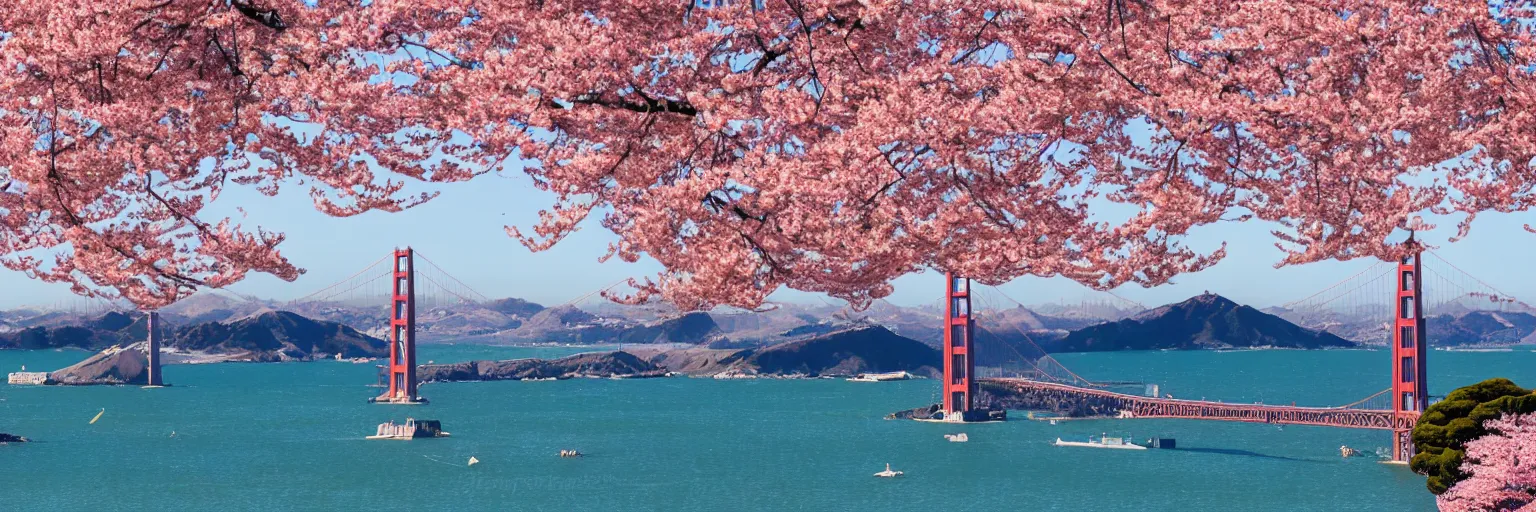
x,y
1458,324
267,336
268,331
1481,328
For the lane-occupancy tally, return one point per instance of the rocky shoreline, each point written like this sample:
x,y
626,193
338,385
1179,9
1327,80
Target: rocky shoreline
x,y
607,365
129,365
114,366
846,352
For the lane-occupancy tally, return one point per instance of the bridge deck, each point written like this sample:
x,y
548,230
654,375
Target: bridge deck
x,y
1133,406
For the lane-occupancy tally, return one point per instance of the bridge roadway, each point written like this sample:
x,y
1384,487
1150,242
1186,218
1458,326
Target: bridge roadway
x,y
1133,406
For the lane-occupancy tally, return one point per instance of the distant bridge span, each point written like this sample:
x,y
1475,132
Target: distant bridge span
x,y
1359,414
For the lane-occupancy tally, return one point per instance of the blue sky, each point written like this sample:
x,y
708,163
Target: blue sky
x,y
462,231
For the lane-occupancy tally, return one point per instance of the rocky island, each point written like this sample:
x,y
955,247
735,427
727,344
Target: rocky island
x,y
114,366
849,351
845,352
992,396
596,365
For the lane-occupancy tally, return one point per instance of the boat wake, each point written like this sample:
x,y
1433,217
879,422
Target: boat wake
x,y
1244,453
441,461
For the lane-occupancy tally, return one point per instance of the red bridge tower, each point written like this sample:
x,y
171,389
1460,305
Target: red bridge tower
x,y
1410,392
959,367
402,332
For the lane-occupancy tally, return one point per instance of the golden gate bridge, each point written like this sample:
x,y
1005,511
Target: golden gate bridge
x,y
1395,293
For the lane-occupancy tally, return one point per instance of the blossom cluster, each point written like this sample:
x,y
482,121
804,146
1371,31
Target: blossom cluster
x,y
821,145
1501,467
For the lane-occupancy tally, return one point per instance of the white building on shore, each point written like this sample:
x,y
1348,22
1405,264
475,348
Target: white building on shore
x,y
28,378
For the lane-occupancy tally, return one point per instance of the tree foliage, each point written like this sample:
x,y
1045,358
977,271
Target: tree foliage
x,y
1443,431
1500,469
822,145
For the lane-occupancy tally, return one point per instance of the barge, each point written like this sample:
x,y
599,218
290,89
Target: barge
x,y
880,377
1103,442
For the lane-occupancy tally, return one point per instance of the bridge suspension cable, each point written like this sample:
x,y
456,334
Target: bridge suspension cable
x,y
1381,401
348,286
435,288
658,310
1308,299
1044,365
1483,290
442,286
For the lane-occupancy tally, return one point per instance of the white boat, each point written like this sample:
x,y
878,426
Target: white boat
x,y
957,438
1118,443
888,473
880,377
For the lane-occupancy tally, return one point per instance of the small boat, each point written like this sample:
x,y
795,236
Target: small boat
x,y
1102,442
473,461
98,416
570,453
957,438
880,377
1348,452
888,473
1053,422
411,429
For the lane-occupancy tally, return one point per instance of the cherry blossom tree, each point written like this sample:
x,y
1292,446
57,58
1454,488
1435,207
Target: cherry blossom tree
x,y
1501,467
120,121
822,145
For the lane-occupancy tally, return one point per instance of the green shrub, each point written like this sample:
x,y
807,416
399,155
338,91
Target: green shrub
x,y
1442,432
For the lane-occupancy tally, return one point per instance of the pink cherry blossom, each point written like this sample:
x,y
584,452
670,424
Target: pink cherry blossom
x,y
1502,469
821,145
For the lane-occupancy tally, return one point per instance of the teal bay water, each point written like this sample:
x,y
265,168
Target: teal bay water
x,y
290,437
